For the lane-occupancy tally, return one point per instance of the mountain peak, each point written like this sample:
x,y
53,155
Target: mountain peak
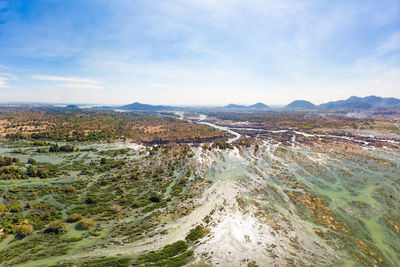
x,y
258,105
300,104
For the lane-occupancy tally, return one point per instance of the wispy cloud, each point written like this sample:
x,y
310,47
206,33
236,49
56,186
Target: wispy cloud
x,y
380,60
63,79
391,44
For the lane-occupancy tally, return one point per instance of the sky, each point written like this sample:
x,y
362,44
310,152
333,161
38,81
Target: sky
x,y
198,52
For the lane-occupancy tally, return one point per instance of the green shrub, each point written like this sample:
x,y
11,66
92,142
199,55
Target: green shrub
x,y
7,161
74,218
222,145
11,173
167,252
116,208
31,161
85,224
183,180
56,148
106,262
15,206
155,199
69,189
56,227
92,199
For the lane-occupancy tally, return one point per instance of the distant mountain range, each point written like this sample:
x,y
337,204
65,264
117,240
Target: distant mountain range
x,y
365,103
352,103
235,106
144,107
255,106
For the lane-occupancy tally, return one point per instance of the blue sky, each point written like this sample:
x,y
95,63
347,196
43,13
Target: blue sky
x,y
198,52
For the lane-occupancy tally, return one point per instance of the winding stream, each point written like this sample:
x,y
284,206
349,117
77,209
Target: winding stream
x,y
226,129
201,120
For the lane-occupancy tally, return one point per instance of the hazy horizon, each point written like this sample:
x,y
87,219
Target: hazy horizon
x,y
198,53
162,104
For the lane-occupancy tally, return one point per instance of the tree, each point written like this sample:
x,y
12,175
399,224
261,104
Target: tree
x,y
86,224
25,230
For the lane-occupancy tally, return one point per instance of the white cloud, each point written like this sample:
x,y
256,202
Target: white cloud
x,y
70,82
379,62
82,86
63,79
3,82
391,44
159,85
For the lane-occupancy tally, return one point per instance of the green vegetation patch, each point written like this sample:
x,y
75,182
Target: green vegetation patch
x,y
176,254
196,233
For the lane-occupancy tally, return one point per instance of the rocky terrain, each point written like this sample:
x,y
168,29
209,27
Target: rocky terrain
x,y
266,195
